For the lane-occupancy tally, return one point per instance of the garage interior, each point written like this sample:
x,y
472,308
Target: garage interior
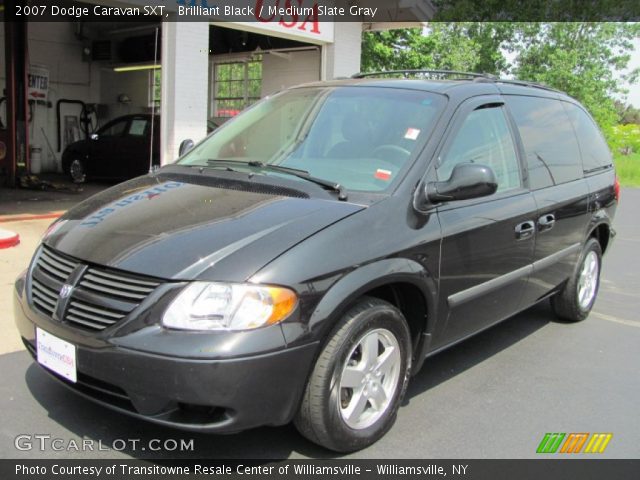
x,y
95,72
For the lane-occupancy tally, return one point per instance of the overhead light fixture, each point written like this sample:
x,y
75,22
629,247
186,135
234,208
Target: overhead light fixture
x,y
134,68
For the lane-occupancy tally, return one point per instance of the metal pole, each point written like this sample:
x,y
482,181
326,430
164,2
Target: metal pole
x,y
16,73
153,100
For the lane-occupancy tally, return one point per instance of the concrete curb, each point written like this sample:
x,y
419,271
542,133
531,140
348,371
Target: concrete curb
x,y
29,216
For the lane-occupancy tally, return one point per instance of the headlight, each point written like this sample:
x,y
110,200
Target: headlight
x,y
221,306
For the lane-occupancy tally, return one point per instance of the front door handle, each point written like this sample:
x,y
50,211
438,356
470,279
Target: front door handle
x,y
546,222
525,230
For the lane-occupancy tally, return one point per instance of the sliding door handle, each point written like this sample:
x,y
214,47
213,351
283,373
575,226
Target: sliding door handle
x,y
525,230
546,222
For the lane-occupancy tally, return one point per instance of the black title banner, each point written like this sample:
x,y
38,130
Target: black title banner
x,y
583,469
309,11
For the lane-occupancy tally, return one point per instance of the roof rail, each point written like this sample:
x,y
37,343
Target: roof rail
x,y
440,73
476,77
524,83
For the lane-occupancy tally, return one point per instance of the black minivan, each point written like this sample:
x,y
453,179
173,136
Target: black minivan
x,y
302,262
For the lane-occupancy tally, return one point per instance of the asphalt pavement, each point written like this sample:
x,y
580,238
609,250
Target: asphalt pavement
x,y
493,396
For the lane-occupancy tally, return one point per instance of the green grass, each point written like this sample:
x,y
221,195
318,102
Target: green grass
x,y
628,169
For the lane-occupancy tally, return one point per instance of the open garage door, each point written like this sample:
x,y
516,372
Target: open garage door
x,y
246,66
98,119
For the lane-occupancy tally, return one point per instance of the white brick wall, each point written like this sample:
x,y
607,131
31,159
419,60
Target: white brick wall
x,y
280,72
184,85
133,84
342,58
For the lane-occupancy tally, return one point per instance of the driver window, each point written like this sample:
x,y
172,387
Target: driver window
x,y
484,138
114,130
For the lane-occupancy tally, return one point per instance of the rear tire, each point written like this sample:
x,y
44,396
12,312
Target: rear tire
x,y
358,382
574,302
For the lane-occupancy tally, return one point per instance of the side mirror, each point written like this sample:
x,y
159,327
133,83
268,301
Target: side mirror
x,y
468,180
185,146
93,136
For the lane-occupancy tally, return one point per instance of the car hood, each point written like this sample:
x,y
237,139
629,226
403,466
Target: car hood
x,y
164,226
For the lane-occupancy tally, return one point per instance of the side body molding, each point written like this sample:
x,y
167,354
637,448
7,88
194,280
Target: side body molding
x,y
496,283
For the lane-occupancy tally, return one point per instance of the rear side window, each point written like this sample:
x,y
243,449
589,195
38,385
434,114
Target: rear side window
x,y
552,152
595,153
138,127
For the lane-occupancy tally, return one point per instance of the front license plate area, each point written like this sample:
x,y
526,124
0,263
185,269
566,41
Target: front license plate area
x,y
56,354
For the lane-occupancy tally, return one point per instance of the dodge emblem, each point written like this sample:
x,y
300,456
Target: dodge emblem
x,y
65,291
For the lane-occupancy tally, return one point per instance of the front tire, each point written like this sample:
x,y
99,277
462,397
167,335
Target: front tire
x,y
574,302
358,382
77,171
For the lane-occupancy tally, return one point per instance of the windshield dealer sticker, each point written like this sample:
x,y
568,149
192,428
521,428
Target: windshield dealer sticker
x,y
383,174
412,133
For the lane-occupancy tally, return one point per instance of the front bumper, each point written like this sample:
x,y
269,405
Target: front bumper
x,y
201,394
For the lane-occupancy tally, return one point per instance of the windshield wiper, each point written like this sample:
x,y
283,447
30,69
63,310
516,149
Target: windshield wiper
x,y
296,172
213,162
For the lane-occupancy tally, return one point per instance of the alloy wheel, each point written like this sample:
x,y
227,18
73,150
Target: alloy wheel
x,y
588,280
369,379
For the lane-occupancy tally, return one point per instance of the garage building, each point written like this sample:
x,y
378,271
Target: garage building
x,y
61,81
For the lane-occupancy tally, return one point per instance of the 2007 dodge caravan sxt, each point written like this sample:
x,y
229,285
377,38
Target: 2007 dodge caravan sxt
x,y
302,262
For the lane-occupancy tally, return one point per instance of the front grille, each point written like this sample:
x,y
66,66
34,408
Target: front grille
x,y
44,298
50,272
89,316
117,285
101,297
55,265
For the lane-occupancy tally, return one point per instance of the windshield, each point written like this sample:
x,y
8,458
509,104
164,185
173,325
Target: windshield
x,y
358,137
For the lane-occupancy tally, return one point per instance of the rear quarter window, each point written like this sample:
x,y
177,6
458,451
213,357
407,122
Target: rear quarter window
x,y
138,127
551,148
594,149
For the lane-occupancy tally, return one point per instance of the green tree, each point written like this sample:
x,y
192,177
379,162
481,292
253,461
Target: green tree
x,y
584,59
578,58
625,139
464,46
627,114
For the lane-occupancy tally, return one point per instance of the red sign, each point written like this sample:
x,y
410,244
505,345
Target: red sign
x,y
38,81
292,14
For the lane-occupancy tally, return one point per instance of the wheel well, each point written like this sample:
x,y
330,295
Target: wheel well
x,y
601,233
407,298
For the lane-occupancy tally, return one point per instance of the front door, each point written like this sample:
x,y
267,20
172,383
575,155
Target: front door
x,y
487,243
106,149
135,148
